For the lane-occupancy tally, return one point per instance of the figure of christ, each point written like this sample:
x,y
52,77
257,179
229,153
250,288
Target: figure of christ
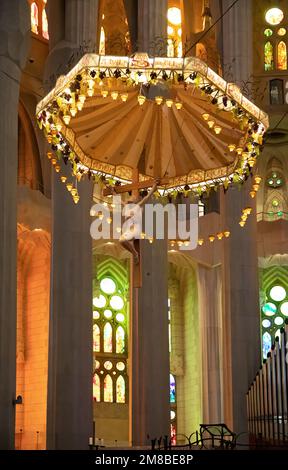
x,y
129,237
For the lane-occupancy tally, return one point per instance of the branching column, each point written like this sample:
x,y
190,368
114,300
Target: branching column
x,y
14,34
69,413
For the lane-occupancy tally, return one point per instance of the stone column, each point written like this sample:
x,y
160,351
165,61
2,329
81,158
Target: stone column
x,y
149,351
210,318
152,27
69,407
14,37
241,335
237,53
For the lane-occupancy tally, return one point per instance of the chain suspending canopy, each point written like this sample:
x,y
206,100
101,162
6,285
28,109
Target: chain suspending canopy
x,y
167,117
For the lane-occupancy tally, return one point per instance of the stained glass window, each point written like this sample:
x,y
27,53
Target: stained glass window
x,y
108,389
274,310
120,390
45,32
96,338
102,42
34,18
96,387
274,16
174,33
108,344
281,56
120,340
172,389
109,338
268,52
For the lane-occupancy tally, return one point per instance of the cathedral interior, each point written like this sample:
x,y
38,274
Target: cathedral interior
x,y
89,350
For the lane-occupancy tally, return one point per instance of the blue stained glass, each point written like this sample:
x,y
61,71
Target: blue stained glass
x,y
267,343
269,309
172,389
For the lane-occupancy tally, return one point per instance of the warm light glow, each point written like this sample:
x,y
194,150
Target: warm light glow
x,y
141,99
170,30
226,234
63,179
169,103
211,238
69,186
124,97
66,119
281,32
205,116
114,95
174,16
34,18
217,129
231,147
220,235
258,179
105,93
252,194
159,100
211,124
274,16
102,42
45,32
178,105
200,241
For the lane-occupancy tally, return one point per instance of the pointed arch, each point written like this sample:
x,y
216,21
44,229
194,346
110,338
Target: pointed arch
x,y
96,387
108,389
120,340
281,56
107,338
268,56
34,18
120,389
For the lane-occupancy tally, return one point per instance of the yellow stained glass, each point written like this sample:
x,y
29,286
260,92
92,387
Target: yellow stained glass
x,y
102,42
96,387
268,52
281,56
120,340
281,32
108,338
34,18
120,390
96,338
108,389
45,32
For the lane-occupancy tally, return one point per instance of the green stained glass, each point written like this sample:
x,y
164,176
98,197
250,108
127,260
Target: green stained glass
x,y
120,390
268,32
120,340
268,53
108,389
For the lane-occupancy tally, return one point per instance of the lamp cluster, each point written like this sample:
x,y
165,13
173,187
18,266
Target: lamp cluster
x,y
256,186
245,214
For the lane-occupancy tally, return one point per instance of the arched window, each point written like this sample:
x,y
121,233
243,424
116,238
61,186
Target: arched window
x,y
275,193
275,37
281,56
108,389
102,42
38,12
110,340
96,387
268,56
276,91
34,18
173,411
274,305
45,33
174,33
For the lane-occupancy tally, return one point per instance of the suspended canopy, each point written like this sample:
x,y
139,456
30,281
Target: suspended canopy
x,y
167,117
